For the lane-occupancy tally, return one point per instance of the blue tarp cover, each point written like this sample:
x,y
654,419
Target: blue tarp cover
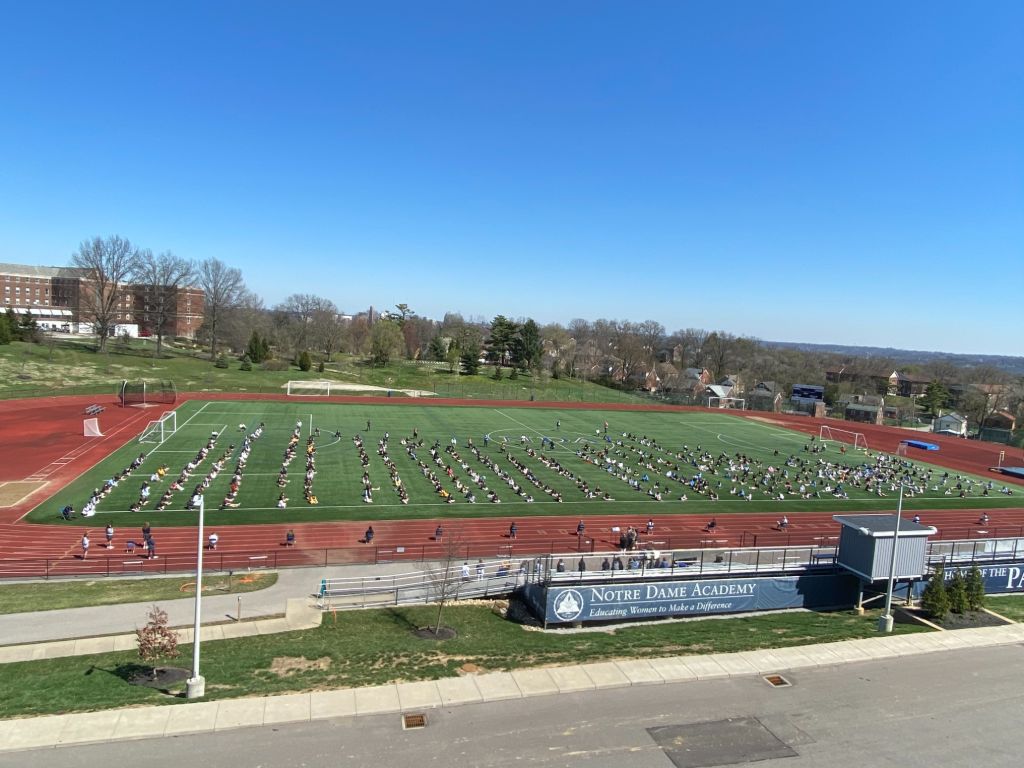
x,y
922,445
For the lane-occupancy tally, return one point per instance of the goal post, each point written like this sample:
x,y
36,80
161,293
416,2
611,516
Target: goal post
x,y
836,435
901,449
145,394
158,430
91,428
320,388
732,403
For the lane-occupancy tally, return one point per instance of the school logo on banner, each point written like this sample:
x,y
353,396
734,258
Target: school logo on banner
x,y
568,605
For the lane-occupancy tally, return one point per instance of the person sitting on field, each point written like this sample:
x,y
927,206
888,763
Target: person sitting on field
x,y
282,501
68,513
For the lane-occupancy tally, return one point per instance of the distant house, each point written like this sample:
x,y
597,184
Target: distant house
x,y
1001,420
717,391
889,382
868,409
734,383
669,377
694,380
764,396
950,424
907,385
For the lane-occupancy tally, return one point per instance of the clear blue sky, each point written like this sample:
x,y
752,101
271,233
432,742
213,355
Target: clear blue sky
x,y
803,171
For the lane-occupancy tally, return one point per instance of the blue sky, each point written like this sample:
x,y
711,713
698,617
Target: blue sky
x,y
801,171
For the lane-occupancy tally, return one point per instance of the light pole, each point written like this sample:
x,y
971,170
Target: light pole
x,y
195,686
885,620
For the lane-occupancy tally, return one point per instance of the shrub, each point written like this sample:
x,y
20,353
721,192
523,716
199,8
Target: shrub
x,y
498,373
246,365
975,589
935,598
514,375
957,591
305,362
274,365
222,361
320,367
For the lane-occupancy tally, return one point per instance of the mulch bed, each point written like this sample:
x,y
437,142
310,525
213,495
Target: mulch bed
x,y
969,620
162,679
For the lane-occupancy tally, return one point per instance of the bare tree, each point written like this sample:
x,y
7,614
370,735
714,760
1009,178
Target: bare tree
x,y
107,264
326,329
717,351
446,576
358,333
224,290
161,279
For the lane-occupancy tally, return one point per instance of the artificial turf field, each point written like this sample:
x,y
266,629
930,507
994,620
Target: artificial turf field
x,y
338,481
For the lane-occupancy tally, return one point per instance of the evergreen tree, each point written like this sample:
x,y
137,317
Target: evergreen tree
x,y
28,328
531,347
504,335
935,397
975,589
12,324
497,373
5,330
305,362
470,363
957,591
436,349
935,599
257,348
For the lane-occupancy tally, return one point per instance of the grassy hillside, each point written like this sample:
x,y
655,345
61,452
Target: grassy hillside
x,y
70,366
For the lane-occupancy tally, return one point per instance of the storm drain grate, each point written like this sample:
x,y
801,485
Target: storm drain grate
x,y
413,720
777,681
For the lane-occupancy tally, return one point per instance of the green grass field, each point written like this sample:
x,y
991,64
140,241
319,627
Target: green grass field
x,y
54,595
68,365
357,648
338,482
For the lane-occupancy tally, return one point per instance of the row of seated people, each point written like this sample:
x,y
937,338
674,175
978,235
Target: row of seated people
x,y
230,500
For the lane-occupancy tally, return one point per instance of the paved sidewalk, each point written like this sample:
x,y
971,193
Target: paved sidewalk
x,y
69,623
209,716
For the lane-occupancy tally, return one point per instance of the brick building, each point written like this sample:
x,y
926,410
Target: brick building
x,y
54,296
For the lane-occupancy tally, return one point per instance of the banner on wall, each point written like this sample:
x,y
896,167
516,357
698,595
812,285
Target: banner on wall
x,y
619,602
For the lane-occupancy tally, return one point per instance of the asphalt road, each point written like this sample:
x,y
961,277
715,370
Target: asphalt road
x,y
957,708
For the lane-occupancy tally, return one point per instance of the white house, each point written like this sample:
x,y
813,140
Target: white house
x,y
950,424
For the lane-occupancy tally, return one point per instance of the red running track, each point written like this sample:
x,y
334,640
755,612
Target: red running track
x,y
37,439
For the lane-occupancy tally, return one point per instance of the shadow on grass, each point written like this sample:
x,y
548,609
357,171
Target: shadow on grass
x,y
161,679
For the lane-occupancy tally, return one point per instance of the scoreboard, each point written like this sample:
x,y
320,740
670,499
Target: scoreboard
x,y
807,392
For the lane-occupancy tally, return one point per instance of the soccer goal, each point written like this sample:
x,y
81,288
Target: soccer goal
x,y
160,429
836,435
732,403
309,388
146,394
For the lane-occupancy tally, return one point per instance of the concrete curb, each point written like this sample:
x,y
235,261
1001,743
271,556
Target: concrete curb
x,y
212,716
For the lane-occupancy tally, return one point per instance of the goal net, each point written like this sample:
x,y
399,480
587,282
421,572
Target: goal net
x,y
144,394
91,428
834,434
734,403
901,449
159,430
309,388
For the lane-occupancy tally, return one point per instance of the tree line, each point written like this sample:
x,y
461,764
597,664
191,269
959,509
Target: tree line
x,y
308,329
